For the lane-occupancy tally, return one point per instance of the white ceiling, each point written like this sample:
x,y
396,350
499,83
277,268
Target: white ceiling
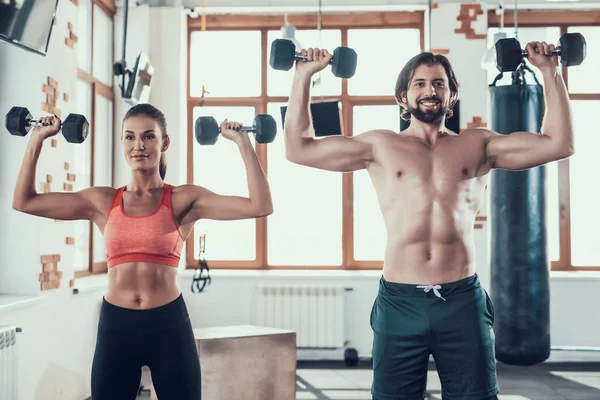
x,y
291,6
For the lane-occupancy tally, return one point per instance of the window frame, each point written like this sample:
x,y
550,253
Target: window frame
x,y
97,89
563,20
343,22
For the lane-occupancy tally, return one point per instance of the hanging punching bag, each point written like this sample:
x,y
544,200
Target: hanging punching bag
x,y
519,259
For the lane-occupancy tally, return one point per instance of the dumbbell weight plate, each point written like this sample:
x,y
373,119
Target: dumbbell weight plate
x,y
206,130
75,128
573,49
344,62
16,121
265,128
283,54
508,54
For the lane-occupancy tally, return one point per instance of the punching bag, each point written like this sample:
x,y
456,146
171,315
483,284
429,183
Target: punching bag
x,y
519,257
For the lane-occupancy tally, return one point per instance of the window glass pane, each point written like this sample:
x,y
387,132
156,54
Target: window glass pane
x,y
370,236
583,78
103,135
306,227
552,211
103,139
526,35
81,168
227,63
220,168
583,188
280,82
377,70
103,46
84,35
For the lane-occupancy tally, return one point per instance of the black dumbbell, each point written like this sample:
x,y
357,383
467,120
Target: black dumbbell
x,y
263,127
572,51
75,127
284,54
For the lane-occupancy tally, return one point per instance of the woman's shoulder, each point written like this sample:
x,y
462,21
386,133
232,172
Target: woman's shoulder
x,y
101,191
100,196
185,189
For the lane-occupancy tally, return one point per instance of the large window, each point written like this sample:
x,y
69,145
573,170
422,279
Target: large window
x,y
94,99
323,219
307,227
571,193
221,169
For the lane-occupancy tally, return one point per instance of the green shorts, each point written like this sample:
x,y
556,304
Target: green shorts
x,y
453,323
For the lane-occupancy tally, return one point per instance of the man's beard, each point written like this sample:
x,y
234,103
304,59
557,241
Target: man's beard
x,y
429,116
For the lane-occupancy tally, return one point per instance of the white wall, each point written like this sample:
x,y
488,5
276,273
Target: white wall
x,y
21,77
161,33
59,334
59,331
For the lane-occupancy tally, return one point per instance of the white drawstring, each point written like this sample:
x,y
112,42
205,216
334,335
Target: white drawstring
x,y
435,288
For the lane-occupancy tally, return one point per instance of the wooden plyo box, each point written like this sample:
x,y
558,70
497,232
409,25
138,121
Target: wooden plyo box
x,y
246,362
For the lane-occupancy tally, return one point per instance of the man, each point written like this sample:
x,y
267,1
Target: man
x,y
429,183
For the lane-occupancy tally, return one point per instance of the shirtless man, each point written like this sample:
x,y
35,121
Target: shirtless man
x,y
429,183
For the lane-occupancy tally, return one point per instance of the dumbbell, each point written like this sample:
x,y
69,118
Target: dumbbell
x,y
263,127
75,127
283,55
572,51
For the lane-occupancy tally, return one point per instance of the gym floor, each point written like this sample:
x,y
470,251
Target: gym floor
x,y
551,381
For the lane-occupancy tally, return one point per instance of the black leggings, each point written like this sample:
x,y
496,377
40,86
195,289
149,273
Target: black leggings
x,y
160,338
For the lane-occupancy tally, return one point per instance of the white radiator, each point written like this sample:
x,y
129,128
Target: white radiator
x,y
314,312
8,362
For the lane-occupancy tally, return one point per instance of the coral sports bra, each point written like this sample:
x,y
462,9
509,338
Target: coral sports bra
x,y
153,238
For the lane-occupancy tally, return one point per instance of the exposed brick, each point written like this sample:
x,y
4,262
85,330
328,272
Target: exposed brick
x,y
53,83
49,285
467,15
50,276
49,266
45,187
476,122
47,89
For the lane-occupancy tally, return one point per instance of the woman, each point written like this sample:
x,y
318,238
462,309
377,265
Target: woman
x,y
143,318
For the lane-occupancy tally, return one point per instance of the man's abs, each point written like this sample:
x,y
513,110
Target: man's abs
x,y
429,241
428,263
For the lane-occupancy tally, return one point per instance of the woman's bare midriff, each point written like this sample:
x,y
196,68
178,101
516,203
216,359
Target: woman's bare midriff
x,y
141,285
